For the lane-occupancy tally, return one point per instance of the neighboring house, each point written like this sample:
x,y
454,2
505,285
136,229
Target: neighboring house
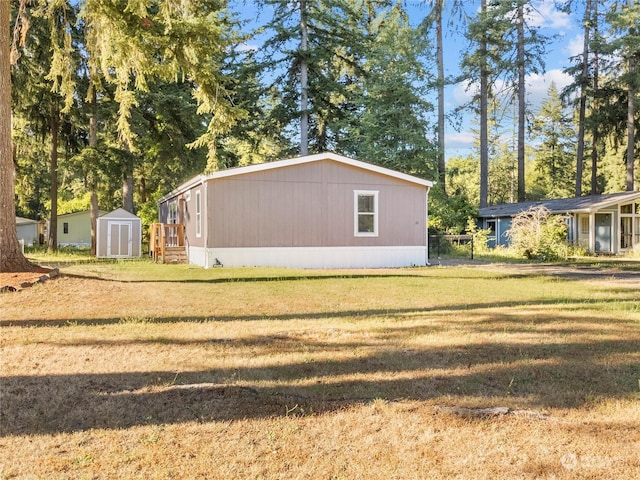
x,y
29,231
608,224
74,229
317,211
119,235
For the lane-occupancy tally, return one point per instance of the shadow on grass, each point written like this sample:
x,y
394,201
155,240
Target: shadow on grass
x,y
523,375
624,297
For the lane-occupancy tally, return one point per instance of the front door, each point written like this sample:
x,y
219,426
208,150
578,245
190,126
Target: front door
x,y
603,232
119,240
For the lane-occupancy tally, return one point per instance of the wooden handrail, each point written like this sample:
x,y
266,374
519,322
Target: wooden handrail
x,y
163,235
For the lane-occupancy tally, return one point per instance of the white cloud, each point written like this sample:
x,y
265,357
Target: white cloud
x,y
575,45
458,140
538,85
545,14
245,47
463,92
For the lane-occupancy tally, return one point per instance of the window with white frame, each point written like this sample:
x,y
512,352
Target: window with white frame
x,y
173,212
629,225
365,213
584,225
198,214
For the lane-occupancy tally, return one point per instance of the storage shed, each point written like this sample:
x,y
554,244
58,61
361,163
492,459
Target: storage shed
x,y
317,211
119,235
28,231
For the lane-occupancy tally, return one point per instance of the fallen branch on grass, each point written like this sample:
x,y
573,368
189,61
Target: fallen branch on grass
x,y
491,412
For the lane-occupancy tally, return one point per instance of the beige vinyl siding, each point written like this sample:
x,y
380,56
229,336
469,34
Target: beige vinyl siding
x,y
311,205
186,214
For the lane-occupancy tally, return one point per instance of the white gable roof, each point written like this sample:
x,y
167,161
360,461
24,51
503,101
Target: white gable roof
x,y
231,172
120,214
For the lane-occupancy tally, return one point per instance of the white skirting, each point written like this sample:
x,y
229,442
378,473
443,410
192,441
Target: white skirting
x,y
311,257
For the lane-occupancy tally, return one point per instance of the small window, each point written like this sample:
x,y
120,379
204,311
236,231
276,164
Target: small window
x,y
584,225
65,228
491,226
626,208
198,215
173,213
366,213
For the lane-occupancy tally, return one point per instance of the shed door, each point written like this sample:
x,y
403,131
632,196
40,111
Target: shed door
x,y
603,232
119,239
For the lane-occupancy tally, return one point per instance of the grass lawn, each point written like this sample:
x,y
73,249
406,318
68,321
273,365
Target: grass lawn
x,y
133,370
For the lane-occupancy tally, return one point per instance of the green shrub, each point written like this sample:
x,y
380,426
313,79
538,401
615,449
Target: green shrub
x,y
538,235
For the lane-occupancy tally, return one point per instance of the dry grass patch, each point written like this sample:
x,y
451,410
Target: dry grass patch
x,y
257,373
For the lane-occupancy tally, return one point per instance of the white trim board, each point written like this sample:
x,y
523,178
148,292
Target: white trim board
x,y
311,257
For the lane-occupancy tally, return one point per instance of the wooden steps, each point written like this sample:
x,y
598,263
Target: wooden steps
x,y
168,243
175,255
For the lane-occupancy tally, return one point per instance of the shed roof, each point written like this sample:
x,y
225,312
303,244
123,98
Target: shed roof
x,y
296,161
25,221
120,214
587,204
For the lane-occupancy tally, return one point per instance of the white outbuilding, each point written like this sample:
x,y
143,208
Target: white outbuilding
x,y
119,235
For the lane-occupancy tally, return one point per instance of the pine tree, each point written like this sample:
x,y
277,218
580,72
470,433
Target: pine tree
x,y
625,23
11,257
554,162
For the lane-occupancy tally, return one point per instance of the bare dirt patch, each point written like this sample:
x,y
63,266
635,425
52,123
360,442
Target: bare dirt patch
x,y
11,281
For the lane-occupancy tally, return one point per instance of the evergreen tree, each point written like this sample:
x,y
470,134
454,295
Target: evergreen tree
x,y
625,23
554,161
11,257
480,66
391,127
45,99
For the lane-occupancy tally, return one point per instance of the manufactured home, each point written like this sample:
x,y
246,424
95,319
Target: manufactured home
x,y
316,211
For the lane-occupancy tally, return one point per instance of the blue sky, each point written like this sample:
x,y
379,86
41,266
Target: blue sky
x,y
563,30
565,40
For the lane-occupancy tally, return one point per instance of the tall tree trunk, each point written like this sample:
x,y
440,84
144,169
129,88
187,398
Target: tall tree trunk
x,y
521,104
584,80
304,80
595,134
484,117
127,188
630,120
440,61
54,122
127,181
11,257
93,143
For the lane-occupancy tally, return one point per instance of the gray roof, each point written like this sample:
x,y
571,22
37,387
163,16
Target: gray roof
x,y
25,221
587,204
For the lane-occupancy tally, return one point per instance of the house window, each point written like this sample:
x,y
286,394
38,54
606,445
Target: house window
x,y
198,215
173,213
65,228
584,225
629,226
365,213
491,226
